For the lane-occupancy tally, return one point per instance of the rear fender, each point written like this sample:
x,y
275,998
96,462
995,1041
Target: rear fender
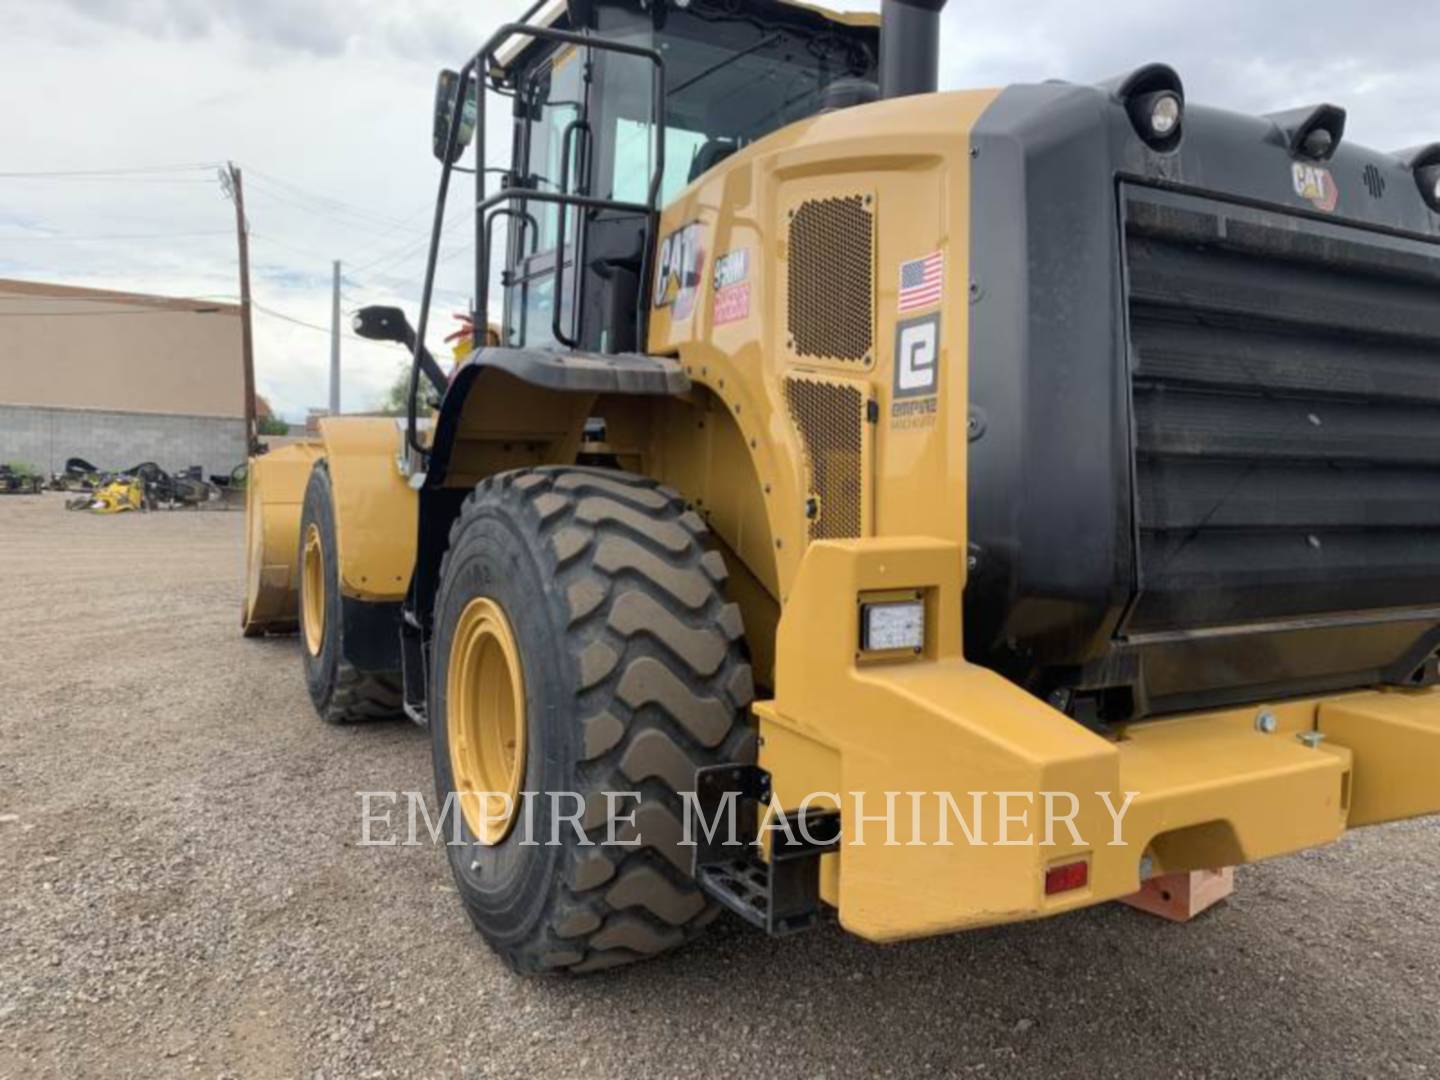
x,y
513,409
375,507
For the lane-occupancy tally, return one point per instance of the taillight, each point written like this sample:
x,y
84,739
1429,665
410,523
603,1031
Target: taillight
x,y
1067,878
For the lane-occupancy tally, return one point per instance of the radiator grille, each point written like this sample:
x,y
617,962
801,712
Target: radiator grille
x,y
1286,390
830,417
831,285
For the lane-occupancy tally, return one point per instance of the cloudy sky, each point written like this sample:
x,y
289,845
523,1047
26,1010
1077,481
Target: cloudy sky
x,y
325,105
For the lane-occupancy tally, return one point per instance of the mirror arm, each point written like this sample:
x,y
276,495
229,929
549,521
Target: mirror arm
x,y
419,352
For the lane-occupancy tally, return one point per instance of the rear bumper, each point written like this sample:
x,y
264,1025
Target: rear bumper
x,y
914,754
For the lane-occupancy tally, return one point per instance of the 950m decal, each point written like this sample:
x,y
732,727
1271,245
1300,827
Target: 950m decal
x,y
732,287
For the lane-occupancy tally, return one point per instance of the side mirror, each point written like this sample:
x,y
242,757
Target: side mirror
x,y
447,92
383,324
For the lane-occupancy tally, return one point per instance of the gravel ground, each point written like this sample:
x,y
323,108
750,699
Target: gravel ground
x,y
181,893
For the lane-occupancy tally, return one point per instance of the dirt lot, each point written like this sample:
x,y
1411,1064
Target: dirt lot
x,y
180,893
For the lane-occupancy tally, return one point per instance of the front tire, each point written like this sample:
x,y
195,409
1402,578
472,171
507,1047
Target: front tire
x,y
340,692
634,674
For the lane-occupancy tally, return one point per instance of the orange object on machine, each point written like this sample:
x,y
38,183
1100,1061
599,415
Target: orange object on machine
x,y
462,341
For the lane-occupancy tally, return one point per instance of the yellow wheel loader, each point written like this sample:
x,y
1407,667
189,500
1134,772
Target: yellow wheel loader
x,y
941,509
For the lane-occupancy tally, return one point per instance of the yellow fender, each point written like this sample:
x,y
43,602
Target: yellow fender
x,y
376,510
375,520
274,496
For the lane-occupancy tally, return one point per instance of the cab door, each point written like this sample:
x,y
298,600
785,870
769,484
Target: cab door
x,y
552,150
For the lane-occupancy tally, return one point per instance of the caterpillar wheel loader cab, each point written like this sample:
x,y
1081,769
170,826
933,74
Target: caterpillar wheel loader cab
x,y
987,499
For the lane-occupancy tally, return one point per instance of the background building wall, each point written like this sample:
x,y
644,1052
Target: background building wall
x,y
45,438
119,379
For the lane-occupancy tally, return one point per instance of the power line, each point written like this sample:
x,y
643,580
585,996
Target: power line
x,y
108,179
313,326
81,238
137,170
367,284
415,245
289,318
391,286
283,193
442,299
344,218
369,271
394,256
302,192
282,189
267,238
107,313
394,284
409,220
51,298
297,197
411,250
451,256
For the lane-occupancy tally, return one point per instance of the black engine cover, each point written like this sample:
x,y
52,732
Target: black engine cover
x,y
1210,468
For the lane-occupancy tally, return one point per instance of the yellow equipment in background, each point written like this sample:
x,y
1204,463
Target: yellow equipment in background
x,y
1008,495
119,496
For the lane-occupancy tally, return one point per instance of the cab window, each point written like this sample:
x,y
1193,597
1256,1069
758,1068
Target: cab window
x,y
558,91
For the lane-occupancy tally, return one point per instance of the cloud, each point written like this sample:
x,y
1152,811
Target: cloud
x,y
1378,61
326,105
321,28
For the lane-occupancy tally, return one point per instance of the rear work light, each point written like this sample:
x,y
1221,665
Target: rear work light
x,y
1161,113
1067,878
1424,161
893,626
1429,179
1154,97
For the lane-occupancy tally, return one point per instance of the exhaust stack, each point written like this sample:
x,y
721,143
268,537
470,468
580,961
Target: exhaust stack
x,y
910,47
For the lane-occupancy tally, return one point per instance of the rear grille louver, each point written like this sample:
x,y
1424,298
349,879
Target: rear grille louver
x,y
830,281
829,415
1286,396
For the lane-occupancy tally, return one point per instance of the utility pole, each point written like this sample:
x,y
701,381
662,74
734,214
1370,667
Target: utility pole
x,y
335,344
232,185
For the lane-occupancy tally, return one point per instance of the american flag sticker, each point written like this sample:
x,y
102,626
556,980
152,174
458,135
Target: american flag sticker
x,y
922,283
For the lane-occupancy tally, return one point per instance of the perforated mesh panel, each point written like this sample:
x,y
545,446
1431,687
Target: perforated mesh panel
x,y
831,309
830,417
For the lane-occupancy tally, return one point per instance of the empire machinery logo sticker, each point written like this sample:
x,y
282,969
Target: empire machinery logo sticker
x,y
1317,185
917,345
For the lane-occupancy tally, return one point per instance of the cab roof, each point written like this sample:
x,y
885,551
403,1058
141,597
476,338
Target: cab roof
x,y
555,11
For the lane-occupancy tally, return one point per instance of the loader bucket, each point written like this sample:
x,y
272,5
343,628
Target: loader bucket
x,y
273,500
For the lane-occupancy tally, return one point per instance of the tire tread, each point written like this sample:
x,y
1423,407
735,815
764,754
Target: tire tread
x,y
663,687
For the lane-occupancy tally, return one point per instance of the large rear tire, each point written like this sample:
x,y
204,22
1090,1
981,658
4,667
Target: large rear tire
x,y
592,591
340,692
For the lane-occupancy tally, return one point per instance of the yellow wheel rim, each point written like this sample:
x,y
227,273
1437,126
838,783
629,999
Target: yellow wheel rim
x,y
312,589
485,720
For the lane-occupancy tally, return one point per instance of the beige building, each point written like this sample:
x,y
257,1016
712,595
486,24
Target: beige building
x,y
119,379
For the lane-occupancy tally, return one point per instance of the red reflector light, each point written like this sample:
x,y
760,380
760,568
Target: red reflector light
x,y
1067,878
